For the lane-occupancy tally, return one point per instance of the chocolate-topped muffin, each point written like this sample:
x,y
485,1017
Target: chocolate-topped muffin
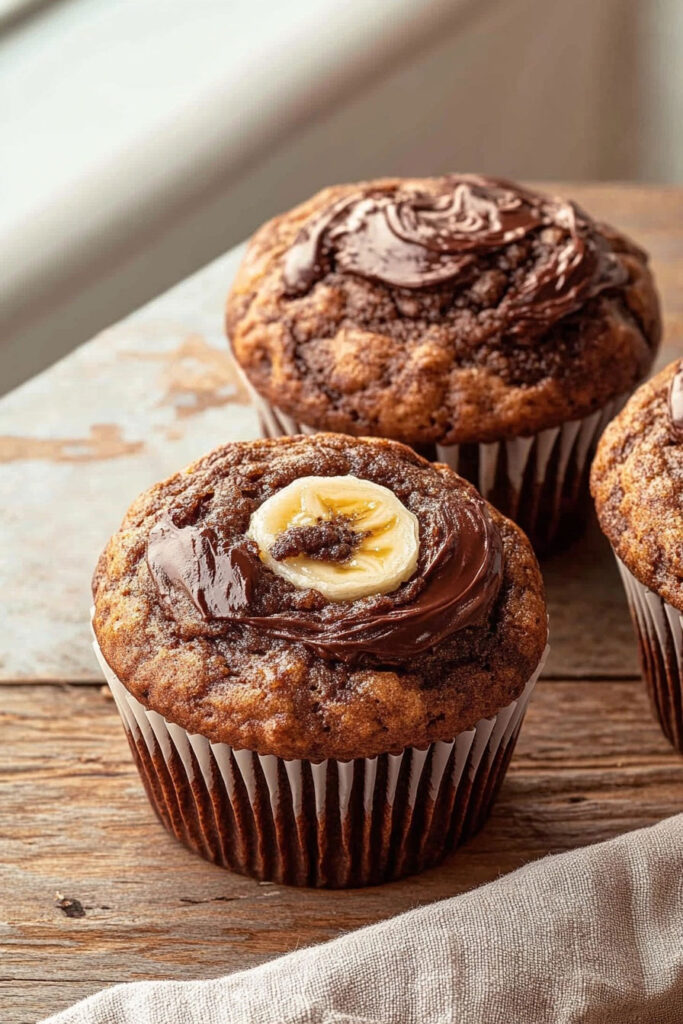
x,y
486,325
322,649
637,483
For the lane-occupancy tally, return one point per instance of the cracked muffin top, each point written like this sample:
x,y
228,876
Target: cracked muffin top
x,y
446,310
637,483
319,597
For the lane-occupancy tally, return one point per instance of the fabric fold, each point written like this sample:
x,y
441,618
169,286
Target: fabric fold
x,y
592,936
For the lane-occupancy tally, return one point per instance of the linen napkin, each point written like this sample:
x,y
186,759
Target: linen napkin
x,y
592,936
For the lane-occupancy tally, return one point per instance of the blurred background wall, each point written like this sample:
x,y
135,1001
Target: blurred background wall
x,y
142,138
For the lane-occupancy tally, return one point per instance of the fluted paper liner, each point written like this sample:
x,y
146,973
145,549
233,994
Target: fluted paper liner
x,y
659,630
541,482
336,823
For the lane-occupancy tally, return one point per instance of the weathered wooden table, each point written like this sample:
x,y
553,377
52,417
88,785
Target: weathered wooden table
x,y
77,444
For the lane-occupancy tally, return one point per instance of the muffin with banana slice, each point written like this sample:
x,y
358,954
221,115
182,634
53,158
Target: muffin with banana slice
x,y
322,649
485,324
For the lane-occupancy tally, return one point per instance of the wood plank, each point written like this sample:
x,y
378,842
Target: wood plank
x,y
24,1002
79,441
74,820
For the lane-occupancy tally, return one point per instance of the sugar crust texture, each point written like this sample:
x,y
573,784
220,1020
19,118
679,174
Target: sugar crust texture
x,y
422,366
637,484
236,685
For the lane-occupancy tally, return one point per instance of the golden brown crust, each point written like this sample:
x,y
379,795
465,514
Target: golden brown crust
x,y
278,697
637,484
362,357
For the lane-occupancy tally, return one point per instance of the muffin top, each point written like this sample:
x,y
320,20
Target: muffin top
x,y
319,597
637,483
446,310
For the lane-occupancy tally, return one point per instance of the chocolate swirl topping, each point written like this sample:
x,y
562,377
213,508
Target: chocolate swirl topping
x,y
456,586
676,403
408,239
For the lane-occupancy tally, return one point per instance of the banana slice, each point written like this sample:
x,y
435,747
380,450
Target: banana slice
x,y
360,539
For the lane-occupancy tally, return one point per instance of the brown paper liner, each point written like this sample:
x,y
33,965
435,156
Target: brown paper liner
x,y
659,631
540,482
335,824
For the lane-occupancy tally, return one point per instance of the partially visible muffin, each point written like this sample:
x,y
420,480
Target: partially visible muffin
x,y
457,314
323,604
637,483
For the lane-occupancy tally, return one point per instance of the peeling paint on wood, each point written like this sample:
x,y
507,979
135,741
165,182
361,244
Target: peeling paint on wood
x,y
137,403
105,442
196,377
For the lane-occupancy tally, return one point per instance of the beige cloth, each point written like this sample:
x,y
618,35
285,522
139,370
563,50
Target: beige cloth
x,y
593,936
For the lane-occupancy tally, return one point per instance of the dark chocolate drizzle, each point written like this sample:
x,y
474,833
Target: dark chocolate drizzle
x,y
456,588
408,239
219,579
676,403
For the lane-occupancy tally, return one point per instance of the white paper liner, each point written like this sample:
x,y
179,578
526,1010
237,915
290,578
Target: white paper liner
x,y
568,445
541,482
334,823
659,629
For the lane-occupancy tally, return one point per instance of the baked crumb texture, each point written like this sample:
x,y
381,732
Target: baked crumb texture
x,y
637,484
481,355
234,683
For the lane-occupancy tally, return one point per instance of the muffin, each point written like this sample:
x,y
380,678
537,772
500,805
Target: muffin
x,y
637,483
322,650
488,326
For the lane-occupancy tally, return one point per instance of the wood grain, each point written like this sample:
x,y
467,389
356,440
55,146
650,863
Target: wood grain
x,y
76,444
590,764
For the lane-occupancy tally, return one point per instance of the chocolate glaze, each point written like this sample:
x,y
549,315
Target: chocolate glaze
x,y
459,583
676,402
408,239
219,580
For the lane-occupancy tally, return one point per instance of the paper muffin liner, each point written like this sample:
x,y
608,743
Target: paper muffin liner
x,y
540,482
335,823
659,630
